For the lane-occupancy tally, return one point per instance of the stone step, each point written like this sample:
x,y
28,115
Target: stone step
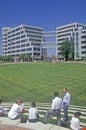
x,y
43,107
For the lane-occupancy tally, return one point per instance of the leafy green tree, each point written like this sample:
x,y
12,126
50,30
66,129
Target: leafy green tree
x,y
24,57
9,58
0,58
6,58
67,49
21,57
29,57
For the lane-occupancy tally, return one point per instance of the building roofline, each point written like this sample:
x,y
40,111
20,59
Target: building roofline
x,y
31,26
11,28
66,25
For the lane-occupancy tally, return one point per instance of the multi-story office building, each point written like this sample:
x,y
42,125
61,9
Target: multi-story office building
x,y
75,32
22,39
32,40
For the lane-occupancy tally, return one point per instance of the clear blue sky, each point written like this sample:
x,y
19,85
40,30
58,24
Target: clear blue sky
x,y
47,14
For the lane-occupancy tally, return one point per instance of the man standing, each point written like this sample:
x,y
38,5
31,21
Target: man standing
x,y
55,110
66,102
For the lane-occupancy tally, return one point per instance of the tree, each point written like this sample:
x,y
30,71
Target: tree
x,y
9,58
0,58
20,57
24,57
67,49
29,57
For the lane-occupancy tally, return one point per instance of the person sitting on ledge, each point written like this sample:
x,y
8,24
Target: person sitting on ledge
x,y
15,111
75,122
1,108
33,113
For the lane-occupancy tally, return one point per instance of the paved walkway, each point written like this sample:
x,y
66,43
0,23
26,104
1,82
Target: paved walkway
x,y
6,124
11,127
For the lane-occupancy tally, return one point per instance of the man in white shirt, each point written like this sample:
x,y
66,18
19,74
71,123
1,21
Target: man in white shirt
x,y
55,110
66,102
15,111
75,123
33,113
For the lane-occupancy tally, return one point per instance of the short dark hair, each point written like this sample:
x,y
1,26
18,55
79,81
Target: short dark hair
x,y
56,94
33,104
76,114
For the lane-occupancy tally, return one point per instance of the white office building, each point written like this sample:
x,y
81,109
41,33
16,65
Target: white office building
x,y
75,32
32,40
22,39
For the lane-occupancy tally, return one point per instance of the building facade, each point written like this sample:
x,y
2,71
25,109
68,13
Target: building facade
x,y
22,39
34,41
75,32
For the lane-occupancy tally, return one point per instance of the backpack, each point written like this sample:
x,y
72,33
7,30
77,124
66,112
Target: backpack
x,y
23,119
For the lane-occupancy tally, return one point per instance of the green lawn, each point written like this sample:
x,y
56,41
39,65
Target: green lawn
x,y
38,81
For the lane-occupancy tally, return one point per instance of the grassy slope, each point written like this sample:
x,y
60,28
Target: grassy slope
x,y
38,81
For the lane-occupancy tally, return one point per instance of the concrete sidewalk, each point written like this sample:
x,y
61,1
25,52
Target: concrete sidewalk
x,y
32,126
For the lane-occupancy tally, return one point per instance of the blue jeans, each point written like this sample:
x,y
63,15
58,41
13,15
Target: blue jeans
x,y
53,112
65,108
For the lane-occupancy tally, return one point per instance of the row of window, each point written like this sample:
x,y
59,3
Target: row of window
x,y
17,55
33,32
11,42
65,31
19,50
15,30
32,28
15,34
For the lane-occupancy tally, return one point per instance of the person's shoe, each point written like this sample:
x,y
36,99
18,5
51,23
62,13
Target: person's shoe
x,y
65,120
44,122
50,116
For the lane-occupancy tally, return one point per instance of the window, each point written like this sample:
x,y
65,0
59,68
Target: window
x,y
17,38
17,33
29,49
19,28
28,44
17,42
23,50
22,41
18,46
13,31
23,45
23,36
36,49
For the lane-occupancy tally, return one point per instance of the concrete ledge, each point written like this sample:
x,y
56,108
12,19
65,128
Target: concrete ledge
x,y
31,126
11,127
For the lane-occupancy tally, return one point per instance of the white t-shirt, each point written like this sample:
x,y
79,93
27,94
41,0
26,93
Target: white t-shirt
x,y
75,123
56,103
33,112
14,111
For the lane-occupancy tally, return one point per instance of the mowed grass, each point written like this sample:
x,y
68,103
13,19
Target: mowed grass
x,y
38,81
